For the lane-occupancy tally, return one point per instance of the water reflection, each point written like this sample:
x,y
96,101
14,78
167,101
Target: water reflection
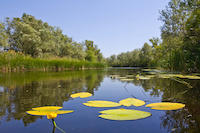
x,y
184,120
20,92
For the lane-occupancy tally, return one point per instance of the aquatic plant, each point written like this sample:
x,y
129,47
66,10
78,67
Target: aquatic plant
x,y
16,61
166,106
81,95
99,103
50,111
123,114
131,101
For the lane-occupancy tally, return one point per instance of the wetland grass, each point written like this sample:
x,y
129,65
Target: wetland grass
x,y
12,62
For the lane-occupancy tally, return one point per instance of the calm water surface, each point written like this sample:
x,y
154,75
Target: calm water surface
x,y
19,92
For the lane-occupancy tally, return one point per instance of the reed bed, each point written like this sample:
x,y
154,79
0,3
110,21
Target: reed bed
x,y
15,61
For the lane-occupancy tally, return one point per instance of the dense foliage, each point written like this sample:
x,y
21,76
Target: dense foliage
x,y
38,39
179,46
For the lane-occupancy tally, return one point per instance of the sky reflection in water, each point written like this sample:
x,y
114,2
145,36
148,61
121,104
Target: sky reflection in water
x,y
20,92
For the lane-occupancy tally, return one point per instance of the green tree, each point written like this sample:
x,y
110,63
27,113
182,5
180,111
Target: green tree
x,y
146,55
192,42
3,36
38,39
93,54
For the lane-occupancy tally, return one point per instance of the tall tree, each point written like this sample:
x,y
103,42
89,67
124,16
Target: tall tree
x,y
192,41
3,36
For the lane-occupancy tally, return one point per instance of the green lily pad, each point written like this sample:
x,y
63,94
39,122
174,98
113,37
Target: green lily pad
x,y
126,79
123,114
166,106
143,77
190,77
131,101
99,103
81,95
47,108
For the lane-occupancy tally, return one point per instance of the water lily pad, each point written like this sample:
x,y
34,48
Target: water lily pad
x,y
81,95
166,106
131,101
99,103
169,75
47,108
126,79
45,112
123,114
190,77
143,77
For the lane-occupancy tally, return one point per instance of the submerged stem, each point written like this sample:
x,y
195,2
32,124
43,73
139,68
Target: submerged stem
x,y
54,123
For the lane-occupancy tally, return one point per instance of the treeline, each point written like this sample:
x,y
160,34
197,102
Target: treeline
x,y
38,39
179,46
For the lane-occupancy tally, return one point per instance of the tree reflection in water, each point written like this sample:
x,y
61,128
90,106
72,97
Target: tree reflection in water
x,y
184,120
22,92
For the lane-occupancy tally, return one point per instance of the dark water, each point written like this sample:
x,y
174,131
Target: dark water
x,y
19,92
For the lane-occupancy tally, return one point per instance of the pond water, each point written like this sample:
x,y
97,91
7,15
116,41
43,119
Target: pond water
x,y
20,92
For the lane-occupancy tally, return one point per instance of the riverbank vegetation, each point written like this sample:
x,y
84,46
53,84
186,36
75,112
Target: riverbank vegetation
x,y
179,46
29,43
12,61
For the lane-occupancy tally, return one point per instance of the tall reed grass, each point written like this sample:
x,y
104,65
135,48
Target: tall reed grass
x,y
16,61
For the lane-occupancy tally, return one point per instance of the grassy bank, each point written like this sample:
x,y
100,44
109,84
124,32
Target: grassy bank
x,y
13,62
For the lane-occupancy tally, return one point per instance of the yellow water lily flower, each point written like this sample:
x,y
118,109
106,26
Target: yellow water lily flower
x,y
81,95
50,111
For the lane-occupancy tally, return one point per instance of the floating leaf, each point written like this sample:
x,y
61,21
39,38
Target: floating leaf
x,y
123,114
151,70
169,75
48,108
45,112
81,95
166,106
126,79
190,77
131,101
35,112
143,77
50,111
99,103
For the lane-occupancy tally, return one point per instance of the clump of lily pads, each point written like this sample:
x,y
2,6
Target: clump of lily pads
x,y
112,114
127,114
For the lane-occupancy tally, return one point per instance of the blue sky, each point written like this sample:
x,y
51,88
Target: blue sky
x,y
114,25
